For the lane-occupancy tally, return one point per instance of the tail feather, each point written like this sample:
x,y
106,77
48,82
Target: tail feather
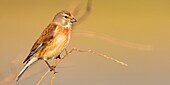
x,y
25,67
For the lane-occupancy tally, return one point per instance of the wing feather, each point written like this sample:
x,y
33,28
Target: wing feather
x,y
45,37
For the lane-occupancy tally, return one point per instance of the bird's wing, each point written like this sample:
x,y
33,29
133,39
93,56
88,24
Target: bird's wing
x,y
42,41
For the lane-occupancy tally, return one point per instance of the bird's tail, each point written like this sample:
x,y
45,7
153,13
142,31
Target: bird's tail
x,y
25,67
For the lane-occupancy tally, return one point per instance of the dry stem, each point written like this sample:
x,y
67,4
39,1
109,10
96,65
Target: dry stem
x,y
116,41
77,50
85,14
43,77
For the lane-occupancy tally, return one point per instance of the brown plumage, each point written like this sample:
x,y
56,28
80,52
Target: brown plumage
x,y
52,41
45,37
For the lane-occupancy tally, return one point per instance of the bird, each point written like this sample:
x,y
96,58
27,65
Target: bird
x,y
52,41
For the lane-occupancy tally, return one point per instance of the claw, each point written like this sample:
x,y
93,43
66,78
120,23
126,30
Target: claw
x,y
52,68
55,72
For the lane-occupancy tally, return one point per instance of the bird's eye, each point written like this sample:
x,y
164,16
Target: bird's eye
x,y
66,17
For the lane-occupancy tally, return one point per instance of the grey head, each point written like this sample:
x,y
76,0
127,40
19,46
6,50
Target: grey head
x,y
64,18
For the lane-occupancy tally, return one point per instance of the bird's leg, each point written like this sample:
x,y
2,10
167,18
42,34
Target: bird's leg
x,y
51,67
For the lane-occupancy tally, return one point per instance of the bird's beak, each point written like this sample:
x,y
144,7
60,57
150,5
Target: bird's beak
x,y
73,20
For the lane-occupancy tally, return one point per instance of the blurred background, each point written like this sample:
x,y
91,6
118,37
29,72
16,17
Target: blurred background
x,y
133,31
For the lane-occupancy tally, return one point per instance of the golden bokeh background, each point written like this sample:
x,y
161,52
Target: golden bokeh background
x,y
133,31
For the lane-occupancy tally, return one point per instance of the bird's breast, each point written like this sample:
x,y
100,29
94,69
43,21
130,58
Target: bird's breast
x,y
57,44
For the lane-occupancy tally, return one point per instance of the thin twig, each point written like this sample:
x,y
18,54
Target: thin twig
x,y
76,10
43,77
53,72
100,54
116,41
85,14
52,78
78,50
9,79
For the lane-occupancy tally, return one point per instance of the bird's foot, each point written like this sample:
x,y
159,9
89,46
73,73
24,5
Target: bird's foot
x,y
52,68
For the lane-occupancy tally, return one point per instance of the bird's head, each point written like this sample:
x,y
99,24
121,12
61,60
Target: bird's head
x,y
64,18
